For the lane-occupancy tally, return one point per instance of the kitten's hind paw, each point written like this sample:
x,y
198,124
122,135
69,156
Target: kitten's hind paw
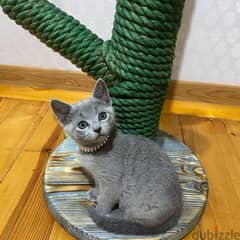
x,y
92,195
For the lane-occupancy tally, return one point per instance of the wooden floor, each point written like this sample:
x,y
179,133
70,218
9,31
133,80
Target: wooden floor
x,y
29,133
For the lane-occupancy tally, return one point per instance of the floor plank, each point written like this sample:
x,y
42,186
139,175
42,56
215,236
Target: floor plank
x,y
233,131
209,139
36,134
13,187
6,106
195,234
58,233
40,94
170,124
24,125
47,134
20,122
8,157
34,221
31,218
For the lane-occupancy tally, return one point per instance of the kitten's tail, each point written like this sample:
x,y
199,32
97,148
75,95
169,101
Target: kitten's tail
x,y
114,222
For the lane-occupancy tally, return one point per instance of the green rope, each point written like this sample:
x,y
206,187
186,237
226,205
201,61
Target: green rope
x,y
136,63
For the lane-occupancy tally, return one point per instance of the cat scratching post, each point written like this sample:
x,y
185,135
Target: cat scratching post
x,y
136,65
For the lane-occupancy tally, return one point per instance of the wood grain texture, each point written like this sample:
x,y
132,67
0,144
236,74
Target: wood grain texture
x,y
8,157
204,92
25,149
58,233
195,234
47,134
40,94
13,187
233,131
78,81
6,106
170,123
214,143
34,220
202,109
31,219
46,78
21,118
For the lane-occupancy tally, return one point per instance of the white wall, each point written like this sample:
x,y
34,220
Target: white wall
x,y
208,46
209,42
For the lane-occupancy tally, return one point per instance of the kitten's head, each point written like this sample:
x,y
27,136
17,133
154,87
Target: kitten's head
x,y
89,121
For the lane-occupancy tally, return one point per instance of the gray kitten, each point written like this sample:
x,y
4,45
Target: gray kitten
x,y
136,187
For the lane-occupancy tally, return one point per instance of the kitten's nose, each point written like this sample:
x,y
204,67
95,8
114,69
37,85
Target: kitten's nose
x,y
98,130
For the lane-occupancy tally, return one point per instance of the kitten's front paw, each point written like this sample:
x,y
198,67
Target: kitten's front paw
x,y
92,195
102,209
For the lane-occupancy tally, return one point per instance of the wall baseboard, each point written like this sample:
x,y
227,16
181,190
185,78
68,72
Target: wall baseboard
x,y
46,78
184,97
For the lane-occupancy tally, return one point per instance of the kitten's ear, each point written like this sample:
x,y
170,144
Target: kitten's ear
x,y
61,110
101,91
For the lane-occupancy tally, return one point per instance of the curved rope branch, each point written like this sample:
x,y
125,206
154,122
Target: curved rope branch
x,y
60,32
136,63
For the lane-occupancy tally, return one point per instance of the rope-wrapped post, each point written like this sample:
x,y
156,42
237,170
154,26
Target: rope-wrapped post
x,y
141,53
136,63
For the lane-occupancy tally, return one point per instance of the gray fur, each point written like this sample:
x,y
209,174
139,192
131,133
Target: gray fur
x,y
130,172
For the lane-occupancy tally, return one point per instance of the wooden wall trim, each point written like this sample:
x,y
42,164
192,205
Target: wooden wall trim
x,y
204,92
45,78
78,81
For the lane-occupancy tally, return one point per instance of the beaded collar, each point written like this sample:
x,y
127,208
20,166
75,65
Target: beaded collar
x,y
95,148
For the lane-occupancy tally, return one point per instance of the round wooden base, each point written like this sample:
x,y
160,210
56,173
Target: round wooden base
x,y
65,187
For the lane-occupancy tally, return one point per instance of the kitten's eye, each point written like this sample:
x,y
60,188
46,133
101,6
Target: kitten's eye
x,y
82,124
102,116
